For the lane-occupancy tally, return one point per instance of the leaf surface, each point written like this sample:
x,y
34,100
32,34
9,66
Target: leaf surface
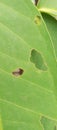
x,y
25,98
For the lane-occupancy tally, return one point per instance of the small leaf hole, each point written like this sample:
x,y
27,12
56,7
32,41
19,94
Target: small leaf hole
x,y
37,59
37,20
18,72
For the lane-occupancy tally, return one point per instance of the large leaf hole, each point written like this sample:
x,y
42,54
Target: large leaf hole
x,y
48,124
38,60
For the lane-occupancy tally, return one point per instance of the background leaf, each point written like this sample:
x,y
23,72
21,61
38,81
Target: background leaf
x,y
49,124
48,6
52,28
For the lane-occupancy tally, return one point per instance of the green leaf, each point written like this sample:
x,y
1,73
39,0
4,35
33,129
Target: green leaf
x,y
52,28
1,124
48,124
25,97
48,6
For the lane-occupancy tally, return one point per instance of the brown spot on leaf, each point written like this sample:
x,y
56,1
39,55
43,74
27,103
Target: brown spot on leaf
x,y
18,72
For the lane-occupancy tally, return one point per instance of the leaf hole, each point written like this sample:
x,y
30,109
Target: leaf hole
x,y
18,72
37,20
48,123
37,59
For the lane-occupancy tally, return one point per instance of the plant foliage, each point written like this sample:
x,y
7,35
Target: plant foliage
x,y
28,65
